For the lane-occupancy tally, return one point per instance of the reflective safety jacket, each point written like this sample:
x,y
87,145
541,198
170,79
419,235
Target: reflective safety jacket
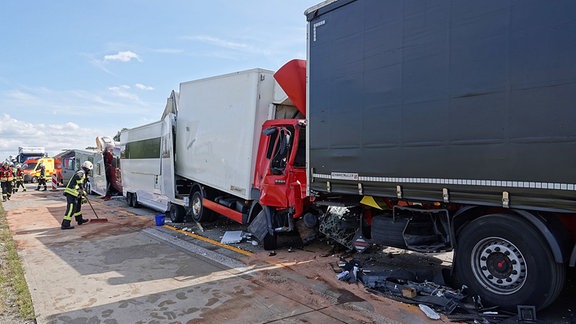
x,y
43,174
10,174
3,174
6,174
19,175
75,184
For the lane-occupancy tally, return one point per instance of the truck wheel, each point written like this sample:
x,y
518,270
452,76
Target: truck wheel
x,y
131,199
135,203
34,180
199,213
177,213
505,261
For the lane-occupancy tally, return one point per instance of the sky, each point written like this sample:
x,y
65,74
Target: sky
x,y
73,70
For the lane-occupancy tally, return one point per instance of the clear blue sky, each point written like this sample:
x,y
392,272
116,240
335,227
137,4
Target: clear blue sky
x,y
72,70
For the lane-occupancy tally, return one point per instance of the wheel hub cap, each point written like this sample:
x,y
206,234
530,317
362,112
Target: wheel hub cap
x,y
499,266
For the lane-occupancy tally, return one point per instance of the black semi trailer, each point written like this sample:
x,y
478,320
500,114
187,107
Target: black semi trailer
x,y
438,125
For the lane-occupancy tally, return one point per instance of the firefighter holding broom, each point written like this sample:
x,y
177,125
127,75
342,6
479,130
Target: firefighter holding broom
x,y
74,193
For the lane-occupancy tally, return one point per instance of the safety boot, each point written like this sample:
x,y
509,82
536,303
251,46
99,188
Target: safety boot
x,y
81,220
66,225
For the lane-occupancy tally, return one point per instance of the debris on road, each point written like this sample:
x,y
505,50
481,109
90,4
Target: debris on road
x,y
231,237
429,312
432,298
235,237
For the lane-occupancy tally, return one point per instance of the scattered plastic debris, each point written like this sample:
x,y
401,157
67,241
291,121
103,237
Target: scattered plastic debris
x,y
429,312
231,237
344,275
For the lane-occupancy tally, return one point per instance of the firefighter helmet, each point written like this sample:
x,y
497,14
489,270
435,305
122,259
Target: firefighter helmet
x,y
87,165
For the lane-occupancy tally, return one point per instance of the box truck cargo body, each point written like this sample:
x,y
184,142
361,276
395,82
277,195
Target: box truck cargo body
x,y
212,149
218,129
29,153
447,124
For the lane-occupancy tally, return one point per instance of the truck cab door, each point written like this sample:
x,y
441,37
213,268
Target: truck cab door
x,y
280,181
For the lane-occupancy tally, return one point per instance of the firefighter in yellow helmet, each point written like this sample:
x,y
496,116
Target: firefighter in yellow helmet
x,y
74,192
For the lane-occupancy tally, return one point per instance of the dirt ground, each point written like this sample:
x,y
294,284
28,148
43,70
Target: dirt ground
x,y
320,259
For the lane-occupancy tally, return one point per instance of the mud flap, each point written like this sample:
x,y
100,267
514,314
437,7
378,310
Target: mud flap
x,y
259,227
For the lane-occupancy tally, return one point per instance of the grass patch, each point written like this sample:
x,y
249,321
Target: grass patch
x,y
14,291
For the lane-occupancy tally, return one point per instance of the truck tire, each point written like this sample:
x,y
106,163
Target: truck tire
x,y
135,203
506,261
34,180
199,213
177,213
131,199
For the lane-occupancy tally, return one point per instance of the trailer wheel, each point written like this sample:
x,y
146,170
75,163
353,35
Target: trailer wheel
x,y
505,261
131,200
177,213
199,213
135,203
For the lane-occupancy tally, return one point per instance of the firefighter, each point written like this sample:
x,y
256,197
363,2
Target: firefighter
x,y
74,192
108,159
13,177
42,176
19,178
6,178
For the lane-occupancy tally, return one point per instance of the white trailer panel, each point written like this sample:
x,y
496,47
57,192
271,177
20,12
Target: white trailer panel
x,y
218,129
141,169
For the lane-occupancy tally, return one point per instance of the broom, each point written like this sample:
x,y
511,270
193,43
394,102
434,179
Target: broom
x,y
98,219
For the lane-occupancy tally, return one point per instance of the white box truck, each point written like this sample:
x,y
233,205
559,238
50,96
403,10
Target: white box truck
x,y
200,158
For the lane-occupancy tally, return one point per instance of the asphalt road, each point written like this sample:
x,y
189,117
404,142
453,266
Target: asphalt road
x,y
127,270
